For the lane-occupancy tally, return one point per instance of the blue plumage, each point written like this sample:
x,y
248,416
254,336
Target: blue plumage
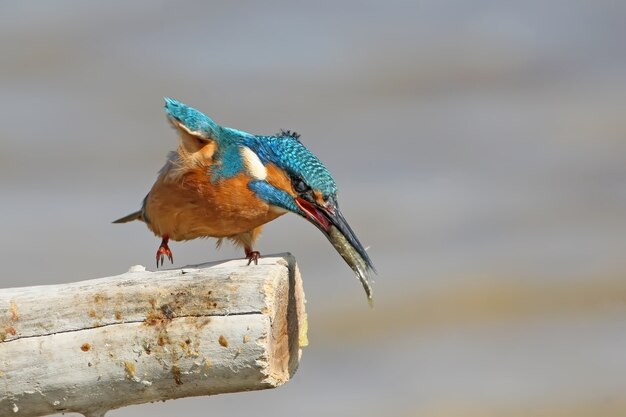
x,y
194,120
284,150
273,195
287,152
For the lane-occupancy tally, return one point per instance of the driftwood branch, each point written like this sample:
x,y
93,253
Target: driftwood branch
x,y
101,344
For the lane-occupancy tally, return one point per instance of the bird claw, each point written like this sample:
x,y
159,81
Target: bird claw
x,y
162,252
253,256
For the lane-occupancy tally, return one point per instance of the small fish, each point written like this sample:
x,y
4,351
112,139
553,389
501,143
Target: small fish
x,y
361,267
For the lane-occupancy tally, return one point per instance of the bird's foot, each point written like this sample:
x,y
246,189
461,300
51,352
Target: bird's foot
x,y
253,256
164,251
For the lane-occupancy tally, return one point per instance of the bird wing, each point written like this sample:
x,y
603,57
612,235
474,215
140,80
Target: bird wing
x,y
201,137
197,131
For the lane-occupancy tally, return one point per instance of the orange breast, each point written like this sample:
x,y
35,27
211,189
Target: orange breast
x,y
191,206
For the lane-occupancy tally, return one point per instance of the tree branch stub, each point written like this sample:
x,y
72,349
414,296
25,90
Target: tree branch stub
x,y
143,336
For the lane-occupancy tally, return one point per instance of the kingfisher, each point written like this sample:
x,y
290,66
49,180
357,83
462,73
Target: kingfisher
x,y
226,184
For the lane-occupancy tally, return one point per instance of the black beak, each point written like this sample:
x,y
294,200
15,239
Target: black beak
x,y
331,222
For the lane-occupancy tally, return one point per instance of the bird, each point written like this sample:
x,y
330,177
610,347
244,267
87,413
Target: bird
x,y
225,183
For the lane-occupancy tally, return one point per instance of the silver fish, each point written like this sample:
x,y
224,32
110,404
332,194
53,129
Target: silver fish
x,y
361,267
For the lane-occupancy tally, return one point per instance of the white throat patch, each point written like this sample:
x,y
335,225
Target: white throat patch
x,y
253,164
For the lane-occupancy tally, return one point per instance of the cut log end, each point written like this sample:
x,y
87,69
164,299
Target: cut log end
x,y
143,336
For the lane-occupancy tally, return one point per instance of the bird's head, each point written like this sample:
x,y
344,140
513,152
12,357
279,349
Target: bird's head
x,y
304,186
281,171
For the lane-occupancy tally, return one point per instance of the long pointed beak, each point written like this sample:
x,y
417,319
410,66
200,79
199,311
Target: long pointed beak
x,y
331,222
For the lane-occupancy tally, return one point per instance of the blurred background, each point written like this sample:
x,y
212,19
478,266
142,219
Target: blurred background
x,y
480,152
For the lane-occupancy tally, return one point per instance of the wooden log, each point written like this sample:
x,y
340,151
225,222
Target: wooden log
x,y
101,344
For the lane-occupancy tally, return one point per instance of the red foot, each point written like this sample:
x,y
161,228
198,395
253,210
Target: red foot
x,y
253,256
164,251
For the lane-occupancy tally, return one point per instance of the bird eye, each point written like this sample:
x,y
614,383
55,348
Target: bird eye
x,y
301,187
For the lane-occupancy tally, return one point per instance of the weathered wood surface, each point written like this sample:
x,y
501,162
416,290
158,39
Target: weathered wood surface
x,y
143,336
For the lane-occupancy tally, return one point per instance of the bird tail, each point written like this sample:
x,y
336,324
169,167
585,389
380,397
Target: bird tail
x,y
133,216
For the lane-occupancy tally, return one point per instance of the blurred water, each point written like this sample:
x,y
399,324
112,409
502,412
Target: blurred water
x,y
479,149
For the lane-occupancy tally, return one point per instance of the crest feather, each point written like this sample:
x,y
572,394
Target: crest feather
x,y
289,133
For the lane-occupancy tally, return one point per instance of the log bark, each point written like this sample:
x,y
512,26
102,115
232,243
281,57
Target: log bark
x,y
101,344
